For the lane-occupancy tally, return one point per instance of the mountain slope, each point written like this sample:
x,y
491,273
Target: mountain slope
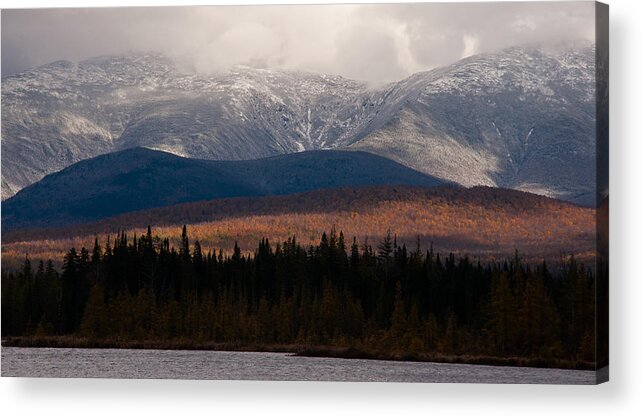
x,y
140,178
520,118
65,112
523,118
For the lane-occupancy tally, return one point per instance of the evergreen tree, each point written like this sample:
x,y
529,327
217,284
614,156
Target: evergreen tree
x,y
388,301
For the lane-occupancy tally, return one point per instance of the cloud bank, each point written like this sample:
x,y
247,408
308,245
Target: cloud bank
x,y
374,43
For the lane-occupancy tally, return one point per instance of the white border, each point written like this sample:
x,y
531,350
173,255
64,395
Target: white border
x,y
621,397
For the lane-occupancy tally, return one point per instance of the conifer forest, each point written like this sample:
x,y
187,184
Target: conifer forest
x,y
379,299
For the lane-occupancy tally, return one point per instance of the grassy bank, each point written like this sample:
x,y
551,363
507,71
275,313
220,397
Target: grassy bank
x,y
178,344
295,349
352,353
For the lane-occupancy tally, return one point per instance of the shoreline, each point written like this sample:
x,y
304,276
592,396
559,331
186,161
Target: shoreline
x,y
297,350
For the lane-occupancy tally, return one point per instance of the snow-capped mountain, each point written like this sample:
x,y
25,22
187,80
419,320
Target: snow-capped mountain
x,y
63,112
523,118
520,118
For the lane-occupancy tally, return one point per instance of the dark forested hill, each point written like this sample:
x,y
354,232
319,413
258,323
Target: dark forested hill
x,y
140,178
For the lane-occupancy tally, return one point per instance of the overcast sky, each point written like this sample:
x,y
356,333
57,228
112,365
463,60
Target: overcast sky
x,y
375,43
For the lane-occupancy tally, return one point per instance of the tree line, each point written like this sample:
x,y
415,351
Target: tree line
x,y
338,293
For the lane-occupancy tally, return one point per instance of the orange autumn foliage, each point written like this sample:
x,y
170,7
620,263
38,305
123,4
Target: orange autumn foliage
x,y
482,222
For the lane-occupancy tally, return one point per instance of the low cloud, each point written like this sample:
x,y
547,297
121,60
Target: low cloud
x,y
375,43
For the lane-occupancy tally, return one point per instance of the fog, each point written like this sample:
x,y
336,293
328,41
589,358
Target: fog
x,y
374,43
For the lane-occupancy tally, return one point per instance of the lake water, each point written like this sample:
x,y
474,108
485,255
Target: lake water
x,y
224,365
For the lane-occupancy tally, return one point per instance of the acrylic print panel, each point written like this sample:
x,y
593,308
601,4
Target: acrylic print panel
x,y
392,192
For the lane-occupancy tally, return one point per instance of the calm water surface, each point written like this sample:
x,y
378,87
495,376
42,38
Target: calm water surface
x,y
224,365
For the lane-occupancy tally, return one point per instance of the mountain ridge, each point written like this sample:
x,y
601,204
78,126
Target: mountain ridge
x,y
519,118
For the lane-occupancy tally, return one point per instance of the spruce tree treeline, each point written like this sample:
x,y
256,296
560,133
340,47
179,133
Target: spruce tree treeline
x,y
384,299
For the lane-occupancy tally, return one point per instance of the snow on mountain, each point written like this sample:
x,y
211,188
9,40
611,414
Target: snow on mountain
x,y
63,112
521,118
